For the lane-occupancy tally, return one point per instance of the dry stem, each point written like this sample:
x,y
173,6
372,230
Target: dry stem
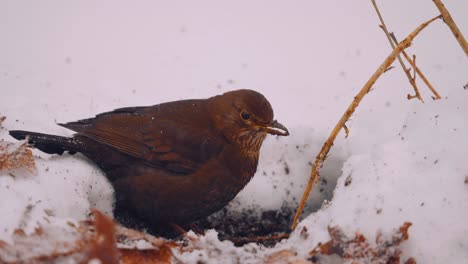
x,y
418,71
346,130
403,66
349,111
451,24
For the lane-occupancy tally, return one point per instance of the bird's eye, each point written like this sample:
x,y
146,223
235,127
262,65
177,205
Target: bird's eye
x,y
245,115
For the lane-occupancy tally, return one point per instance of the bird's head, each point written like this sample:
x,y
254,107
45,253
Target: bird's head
x,y
245,117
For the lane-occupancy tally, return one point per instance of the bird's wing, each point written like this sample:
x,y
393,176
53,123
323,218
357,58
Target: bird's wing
x,y
158,138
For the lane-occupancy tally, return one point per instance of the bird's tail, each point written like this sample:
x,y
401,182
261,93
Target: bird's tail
x,y
49,143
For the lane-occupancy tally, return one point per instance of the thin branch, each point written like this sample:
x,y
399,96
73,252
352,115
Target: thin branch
x,y
451,24
403,66
349,111
346,130
389,68
418,71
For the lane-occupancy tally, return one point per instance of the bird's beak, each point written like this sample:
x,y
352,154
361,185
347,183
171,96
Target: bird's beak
x,y
275,128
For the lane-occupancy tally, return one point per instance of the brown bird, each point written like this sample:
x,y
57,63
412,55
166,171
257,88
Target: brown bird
x,y
174,162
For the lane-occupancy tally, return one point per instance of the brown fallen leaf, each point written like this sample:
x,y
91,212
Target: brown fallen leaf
x,y
162,255
285,256
15,158
44,244
105,249
104,245
89,240
359,250
125,234
2,118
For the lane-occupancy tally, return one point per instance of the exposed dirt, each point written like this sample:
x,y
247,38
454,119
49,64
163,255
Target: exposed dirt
x,y
248,225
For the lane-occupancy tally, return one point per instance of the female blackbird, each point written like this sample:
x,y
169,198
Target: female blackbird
x,y
174,162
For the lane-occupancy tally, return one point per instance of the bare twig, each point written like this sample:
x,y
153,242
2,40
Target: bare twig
x,y
403,66
418,71
346,129
349,111
451,24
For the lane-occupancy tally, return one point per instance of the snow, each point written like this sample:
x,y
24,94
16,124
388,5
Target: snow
x,y
406,160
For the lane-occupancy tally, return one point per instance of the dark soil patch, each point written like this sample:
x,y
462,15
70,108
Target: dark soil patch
x,y
250,225
240,227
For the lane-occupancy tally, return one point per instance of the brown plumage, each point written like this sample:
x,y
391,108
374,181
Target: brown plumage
x,y
174,162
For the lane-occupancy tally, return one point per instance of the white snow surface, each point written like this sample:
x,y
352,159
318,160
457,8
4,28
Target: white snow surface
x,y
406,160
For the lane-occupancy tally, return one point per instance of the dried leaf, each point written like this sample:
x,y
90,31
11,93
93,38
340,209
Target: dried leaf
x,y
104,245
161,256
359,250
126,234
90,240
16,158
285,256
2,118
45,244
